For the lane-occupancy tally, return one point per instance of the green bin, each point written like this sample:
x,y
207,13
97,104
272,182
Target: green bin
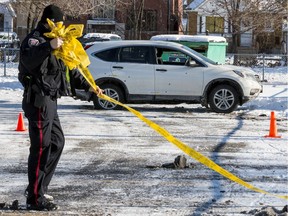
x,y
213,47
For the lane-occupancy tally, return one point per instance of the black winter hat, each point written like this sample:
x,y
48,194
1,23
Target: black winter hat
x,y
52,12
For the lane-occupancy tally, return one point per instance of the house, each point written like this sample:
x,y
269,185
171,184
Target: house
x,y
140,21
130,19
208,17
163,16
7,16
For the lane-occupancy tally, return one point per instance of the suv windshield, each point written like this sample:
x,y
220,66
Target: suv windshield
x,y
199,55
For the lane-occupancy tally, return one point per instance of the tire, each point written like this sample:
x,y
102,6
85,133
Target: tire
x,y
223,99
111,91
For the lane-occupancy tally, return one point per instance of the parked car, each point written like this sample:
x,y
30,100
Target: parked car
x,y
9,43
91,38
9,40
167,72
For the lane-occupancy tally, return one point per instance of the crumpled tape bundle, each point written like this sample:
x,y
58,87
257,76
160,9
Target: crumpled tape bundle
x,y
71,52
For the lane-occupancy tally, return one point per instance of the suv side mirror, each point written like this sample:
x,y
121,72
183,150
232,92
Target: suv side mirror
x,y
191,63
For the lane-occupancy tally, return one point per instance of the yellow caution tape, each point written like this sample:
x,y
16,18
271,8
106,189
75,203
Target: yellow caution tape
x,y
74,56
190,151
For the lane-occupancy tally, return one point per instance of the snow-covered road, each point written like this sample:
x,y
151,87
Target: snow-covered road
x,y
106,164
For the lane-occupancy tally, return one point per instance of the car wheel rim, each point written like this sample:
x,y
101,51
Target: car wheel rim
x,y
224,99
112,94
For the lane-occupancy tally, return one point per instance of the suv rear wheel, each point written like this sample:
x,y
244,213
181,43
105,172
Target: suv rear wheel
x,y
112,91
223,99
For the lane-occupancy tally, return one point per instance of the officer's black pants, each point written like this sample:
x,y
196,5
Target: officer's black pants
x,y
47,142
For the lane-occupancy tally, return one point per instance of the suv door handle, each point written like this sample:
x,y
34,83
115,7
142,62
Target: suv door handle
x,y
118,67
163,70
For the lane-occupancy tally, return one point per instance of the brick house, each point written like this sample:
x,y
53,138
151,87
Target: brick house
x,y
158,17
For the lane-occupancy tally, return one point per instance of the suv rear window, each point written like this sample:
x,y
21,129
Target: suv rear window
x,y
134,54
131,54
108,55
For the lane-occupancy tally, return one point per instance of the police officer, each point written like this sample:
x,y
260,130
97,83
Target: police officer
x,y
44,78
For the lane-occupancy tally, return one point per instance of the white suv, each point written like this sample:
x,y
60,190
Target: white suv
x,y
167,72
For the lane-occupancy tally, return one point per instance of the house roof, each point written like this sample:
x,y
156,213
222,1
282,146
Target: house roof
x,y
195,4
5,6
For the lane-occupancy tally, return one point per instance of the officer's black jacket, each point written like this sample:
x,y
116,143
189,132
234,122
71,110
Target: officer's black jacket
x,y
46,71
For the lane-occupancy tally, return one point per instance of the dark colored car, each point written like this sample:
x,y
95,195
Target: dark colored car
x,y
9,40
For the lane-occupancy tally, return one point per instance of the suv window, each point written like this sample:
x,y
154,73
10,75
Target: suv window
x,y
174,57
108,55
134,54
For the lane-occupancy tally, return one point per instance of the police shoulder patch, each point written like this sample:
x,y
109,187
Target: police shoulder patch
x,y
33,42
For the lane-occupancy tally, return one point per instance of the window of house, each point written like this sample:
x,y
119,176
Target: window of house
x,y
246,23
229,26
72,18
215,24
277,40
1,22
200,24
105,10
149,20
269,26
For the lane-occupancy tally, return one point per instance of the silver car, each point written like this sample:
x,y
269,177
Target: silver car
x,y
167,72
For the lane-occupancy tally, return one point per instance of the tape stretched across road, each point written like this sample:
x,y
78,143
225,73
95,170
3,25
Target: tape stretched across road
x,y
190,151
74,56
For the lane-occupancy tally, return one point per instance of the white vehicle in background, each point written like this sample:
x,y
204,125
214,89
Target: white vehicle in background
x,y
166,72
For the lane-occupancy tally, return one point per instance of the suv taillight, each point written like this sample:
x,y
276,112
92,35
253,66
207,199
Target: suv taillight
x,y
87,46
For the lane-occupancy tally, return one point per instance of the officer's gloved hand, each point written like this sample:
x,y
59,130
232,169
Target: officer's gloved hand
x,y
98,91
56,43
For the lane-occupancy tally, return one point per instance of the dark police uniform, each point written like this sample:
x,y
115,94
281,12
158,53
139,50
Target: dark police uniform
x,y
45,78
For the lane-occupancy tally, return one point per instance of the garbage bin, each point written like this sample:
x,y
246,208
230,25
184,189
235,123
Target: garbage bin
x,y
213,47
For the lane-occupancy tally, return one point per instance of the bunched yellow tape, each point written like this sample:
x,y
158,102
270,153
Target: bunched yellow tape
x,y
74,56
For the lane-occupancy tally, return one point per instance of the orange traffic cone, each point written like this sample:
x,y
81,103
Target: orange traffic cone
x,y
20,124
273,127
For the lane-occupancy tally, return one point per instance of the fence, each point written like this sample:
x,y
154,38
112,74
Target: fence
x,y
8,55
258,62
261,63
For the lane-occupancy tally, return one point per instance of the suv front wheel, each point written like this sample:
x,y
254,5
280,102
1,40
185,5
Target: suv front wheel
x,y
112,91
223,99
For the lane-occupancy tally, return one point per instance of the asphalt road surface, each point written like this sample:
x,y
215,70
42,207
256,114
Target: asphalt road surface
x,y
112,162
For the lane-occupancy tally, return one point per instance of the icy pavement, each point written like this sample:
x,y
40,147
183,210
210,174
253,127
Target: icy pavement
x,y
106,169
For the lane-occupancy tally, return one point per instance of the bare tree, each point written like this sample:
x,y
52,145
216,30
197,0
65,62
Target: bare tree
x,y
104,8
33,10
139,21
245,15
74,8
132,14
